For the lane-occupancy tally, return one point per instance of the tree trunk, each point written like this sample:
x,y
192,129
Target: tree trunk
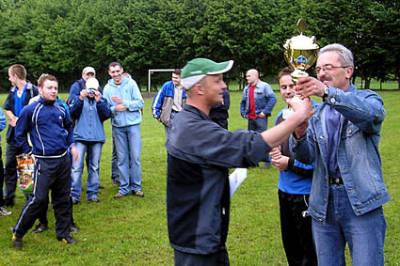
x,y
367,83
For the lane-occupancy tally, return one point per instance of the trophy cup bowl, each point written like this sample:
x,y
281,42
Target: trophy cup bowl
x,y
300,52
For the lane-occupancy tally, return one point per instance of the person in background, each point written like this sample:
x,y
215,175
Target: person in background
x,y
258,101
126,102
89,110
20,94
3,210
169,100
294,187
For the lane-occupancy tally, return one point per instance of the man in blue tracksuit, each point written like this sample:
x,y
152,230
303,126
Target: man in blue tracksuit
x,y
50,129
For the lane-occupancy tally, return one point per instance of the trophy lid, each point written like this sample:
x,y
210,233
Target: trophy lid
x,y
302,42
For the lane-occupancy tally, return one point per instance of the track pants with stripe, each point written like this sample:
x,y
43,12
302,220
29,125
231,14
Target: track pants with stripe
x,y
50,174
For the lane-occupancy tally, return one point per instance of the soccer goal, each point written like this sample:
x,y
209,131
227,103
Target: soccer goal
x,y
152,71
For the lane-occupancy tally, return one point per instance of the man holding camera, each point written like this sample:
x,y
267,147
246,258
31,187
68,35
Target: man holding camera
x,y
89,110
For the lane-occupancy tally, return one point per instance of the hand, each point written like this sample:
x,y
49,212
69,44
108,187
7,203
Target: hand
x,y
83,94
120,108
261,115
116,99
74,153
301,130
276,153
301,106
281,164
97,96
13,121
309,86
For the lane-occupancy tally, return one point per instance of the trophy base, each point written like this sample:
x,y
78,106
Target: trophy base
x,y
298,74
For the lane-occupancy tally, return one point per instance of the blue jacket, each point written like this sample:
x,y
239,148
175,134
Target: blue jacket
x,y
358,152
264,98
198,198
166,91
89,116
75,89
49,126
297,178
132,99
2,120
31,92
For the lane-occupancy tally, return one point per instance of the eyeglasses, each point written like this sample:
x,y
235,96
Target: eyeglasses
x,y
328,67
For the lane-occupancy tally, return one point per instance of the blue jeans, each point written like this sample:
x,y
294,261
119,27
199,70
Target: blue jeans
x,y
93,153
114,163
259,125
128,144
364,234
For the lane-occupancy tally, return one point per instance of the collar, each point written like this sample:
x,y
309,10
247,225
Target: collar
x,y
192,109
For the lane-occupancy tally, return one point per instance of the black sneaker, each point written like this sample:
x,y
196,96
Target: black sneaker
x,y
40,228
67,240
17,241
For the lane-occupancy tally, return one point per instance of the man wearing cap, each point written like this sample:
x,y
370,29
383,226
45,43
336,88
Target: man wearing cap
x,y
125,102
77,86
257,102
20,94
199,155
89,111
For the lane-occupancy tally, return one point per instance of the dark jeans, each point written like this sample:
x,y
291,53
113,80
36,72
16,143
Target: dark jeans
x,y
259,125
1,180
220,258
296,230
10,173
55,175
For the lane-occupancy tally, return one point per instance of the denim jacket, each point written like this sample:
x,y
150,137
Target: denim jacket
x,y
264,99
358,156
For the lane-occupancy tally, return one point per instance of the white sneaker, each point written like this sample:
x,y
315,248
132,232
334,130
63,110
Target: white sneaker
x,y
4,212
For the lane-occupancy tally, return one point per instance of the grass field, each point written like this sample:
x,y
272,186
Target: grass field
x,y
133,231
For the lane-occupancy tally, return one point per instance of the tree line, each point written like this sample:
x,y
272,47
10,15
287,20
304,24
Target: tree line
x,y
63,36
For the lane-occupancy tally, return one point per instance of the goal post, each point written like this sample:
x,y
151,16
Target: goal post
x,y
152,71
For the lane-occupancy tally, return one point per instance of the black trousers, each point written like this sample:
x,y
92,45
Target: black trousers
x,y
10,173
50,174
220,258
296,230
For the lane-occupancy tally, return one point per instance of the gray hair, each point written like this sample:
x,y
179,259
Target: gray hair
x,y
345,55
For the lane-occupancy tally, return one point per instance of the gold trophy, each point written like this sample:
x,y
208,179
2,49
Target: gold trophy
x,y
300,52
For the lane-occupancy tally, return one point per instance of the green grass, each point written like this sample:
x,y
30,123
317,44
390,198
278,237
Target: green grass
x,y
133,231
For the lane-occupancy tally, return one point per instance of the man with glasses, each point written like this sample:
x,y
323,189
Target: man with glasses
x,y
342,143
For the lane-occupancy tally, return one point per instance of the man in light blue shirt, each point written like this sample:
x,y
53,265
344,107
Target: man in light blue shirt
x,y
125,102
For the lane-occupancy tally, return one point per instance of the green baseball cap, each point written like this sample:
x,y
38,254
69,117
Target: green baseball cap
x,y
198,68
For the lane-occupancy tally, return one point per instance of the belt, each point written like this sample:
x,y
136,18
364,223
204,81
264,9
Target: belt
x,y
335,181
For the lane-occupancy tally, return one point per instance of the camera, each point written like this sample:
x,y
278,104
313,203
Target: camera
x,y
92,85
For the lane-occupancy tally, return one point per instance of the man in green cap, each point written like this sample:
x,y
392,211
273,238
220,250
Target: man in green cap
x,y
199,155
